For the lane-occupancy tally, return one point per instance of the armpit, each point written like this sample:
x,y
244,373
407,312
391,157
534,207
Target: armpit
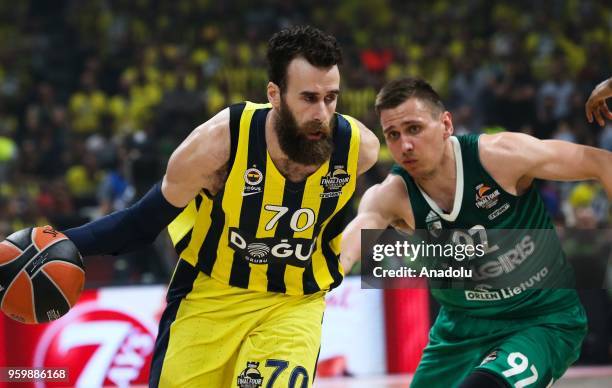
x,y
402,226
216,182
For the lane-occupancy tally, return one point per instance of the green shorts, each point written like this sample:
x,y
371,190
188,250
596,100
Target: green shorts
x,y
531,352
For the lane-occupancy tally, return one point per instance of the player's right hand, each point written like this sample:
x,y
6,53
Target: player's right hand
x,y
596,104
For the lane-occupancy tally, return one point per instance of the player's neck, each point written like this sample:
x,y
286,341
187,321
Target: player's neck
x,y
441,183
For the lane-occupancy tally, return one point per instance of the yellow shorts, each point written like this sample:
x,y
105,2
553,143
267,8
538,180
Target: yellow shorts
x,y
223,336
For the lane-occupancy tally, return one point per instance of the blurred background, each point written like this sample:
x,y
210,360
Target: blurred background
x,y
96,94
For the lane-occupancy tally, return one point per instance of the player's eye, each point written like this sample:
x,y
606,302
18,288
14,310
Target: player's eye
x,y
330,99
392,135
414,129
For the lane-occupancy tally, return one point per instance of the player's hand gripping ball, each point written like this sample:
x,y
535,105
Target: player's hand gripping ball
x,y
41,275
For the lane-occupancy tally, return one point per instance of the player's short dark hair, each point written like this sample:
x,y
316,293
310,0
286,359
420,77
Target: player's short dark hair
x,y
396,92
318,48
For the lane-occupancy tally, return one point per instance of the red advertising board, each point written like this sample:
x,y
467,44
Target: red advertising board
x,y
106,339
406,327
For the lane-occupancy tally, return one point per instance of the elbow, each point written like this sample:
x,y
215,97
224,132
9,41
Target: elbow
x,y
601,160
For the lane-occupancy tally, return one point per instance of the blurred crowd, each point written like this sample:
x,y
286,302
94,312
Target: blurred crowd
x,y
95,95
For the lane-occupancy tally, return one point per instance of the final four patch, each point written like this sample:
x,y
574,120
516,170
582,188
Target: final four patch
x,y
250,377
334,181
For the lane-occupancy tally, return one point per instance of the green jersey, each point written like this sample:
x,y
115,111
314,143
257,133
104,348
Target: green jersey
x,y
523,271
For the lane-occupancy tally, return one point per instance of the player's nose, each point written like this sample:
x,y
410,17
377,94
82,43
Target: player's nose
x,y
321,112
407,145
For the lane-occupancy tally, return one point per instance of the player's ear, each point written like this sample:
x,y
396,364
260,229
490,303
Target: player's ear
x,y
447,121
274,95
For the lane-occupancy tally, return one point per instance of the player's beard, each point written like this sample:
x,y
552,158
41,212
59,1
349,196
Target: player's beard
x,y
294,142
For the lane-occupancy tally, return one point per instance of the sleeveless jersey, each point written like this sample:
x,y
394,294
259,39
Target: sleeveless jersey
x,y
522,247
263,232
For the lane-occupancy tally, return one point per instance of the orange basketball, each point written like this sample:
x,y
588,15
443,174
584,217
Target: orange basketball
x,y
41,275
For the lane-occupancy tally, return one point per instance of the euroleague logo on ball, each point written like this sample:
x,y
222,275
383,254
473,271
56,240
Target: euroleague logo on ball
x,y
100,346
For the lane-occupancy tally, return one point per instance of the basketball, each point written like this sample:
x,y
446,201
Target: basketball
x,y
41,275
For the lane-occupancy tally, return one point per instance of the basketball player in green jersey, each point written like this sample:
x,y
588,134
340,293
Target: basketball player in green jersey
x,y
483,338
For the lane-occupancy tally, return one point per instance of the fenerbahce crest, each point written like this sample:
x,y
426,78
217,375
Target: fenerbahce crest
x,y
250,377
334,181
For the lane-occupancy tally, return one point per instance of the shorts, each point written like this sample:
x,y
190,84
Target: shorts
x,y
531,352
223,336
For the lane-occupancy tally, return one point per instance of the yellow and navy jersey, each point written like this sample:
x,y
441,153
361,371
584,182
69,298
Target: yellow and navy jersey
x,y
262,231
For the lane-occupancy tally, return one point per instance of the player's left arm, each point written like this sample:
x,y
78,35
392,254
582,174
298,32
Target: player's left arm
x,y
368,149
520,158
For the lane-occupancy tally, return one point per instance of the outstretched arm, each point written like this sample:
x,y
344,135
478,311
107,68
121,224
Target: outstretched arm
x,y
516,159
192,167
596,104
382,205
